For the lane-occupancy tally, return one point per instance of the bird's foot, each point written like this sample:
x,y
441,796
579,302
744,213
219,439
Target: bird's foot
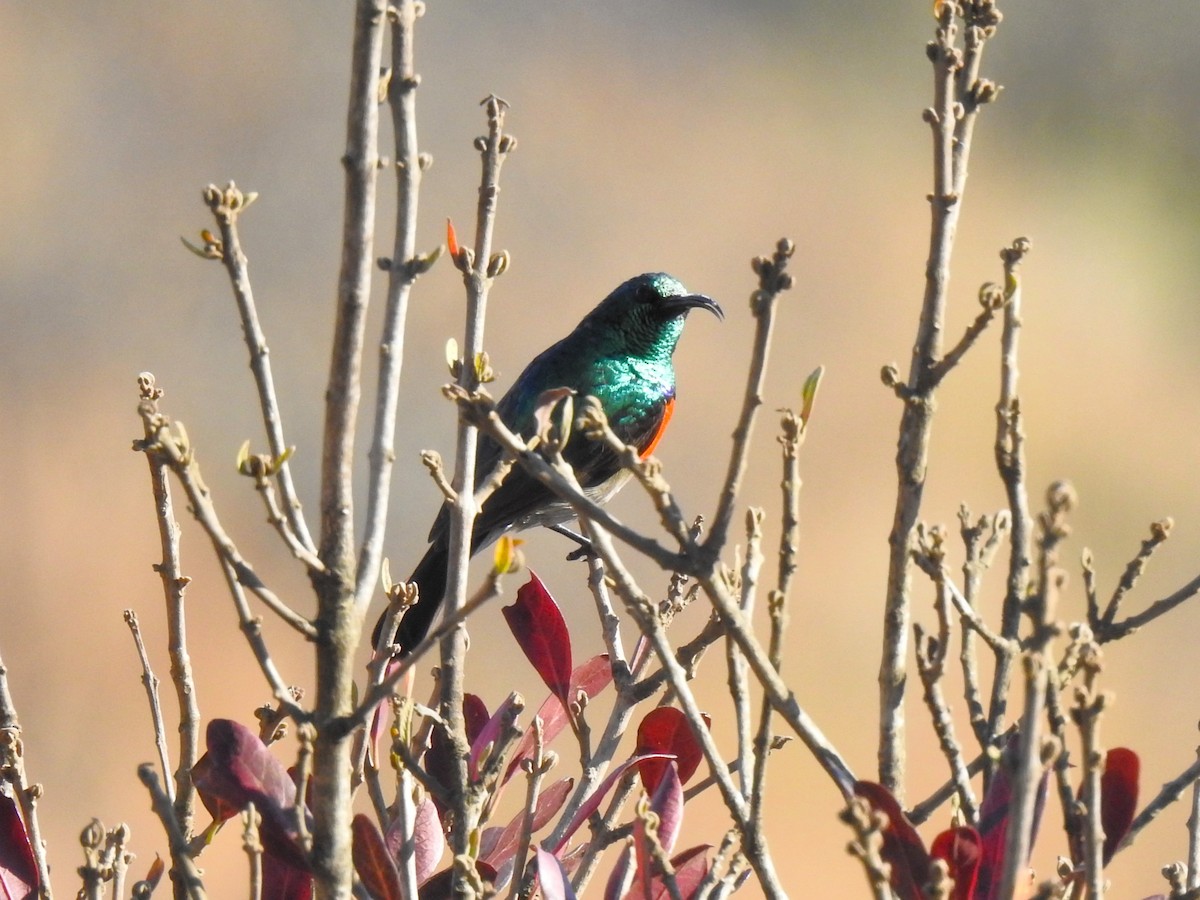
x,y
585,550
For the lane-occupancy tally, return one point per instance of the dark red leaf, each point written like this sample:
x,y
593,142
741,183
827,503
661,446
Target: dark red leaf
x,y
537,623
372,861
903,848
591,678
592,803
1118,797
283,881
618,878
667,804
237,770
428,840
644,867
690,868
441,885
552,877
18,871
666,730
489,733
439,759
993,820
961,849
499,845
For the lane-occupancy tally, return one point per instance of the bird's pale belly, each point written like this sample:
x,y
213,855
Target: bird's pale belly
x,y
559,513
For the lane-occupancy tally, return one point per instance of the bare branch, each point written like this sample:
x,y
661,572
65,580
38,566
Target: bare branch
x,y
773,280
186,873
403,268
171,447
150,682
174,584
957,97
1010,462
226,205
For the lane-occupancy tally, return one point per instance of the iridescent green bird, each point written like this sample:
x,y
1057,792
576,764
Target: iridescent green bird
x,y
621,354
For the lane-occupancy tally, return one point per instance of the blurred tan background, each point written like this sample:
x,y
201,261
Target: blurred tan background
x,y
660,135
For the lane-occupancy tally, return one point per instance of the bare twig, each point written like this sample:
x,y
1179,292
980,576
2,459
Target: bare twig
x,y
1159,532
379,692
170,447
735,661
253,848
150,682
867,846
174,584
981,540
1060,499
1010,462
536,768
1160,607
921,812
262,467
403,268
1193,828
773,280
1170,792
186,872
958,94
931,666
479,268
643,610
339,617
226,205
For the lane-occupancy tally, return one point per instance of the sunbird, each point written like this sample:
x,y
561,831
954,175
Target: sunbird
x,y
620,353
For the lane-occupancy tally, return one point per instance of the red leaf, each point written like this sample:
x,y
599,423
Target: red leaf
x,y
372,861
903,848
439,759
961,848
441,885
237,770
489,733
18,871
553,879
428,840
283,881
643,870
1118,797
690,868
993,820
666,730
591,678
620,876
667,803
592,803
537,623
499,845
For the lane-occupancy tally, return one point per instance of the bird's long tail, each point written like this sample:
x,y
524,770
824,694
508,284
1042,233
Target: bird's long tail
x,y
430,578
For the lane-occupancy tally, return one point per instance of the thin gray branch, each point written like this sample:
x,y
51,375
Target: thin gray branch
x,y
403,268
226,205
958,93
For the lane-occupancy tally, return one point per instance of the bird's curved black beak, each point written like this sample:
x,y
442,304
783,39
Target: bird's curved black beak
x,y
685,302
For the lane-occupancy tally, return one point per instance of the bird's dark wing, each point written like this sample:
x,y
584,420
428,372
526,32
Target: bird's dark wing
x,y
521,495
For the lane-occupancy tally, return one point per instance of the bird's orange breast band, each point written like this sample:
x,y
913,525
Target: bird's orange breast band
x,y
662,428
